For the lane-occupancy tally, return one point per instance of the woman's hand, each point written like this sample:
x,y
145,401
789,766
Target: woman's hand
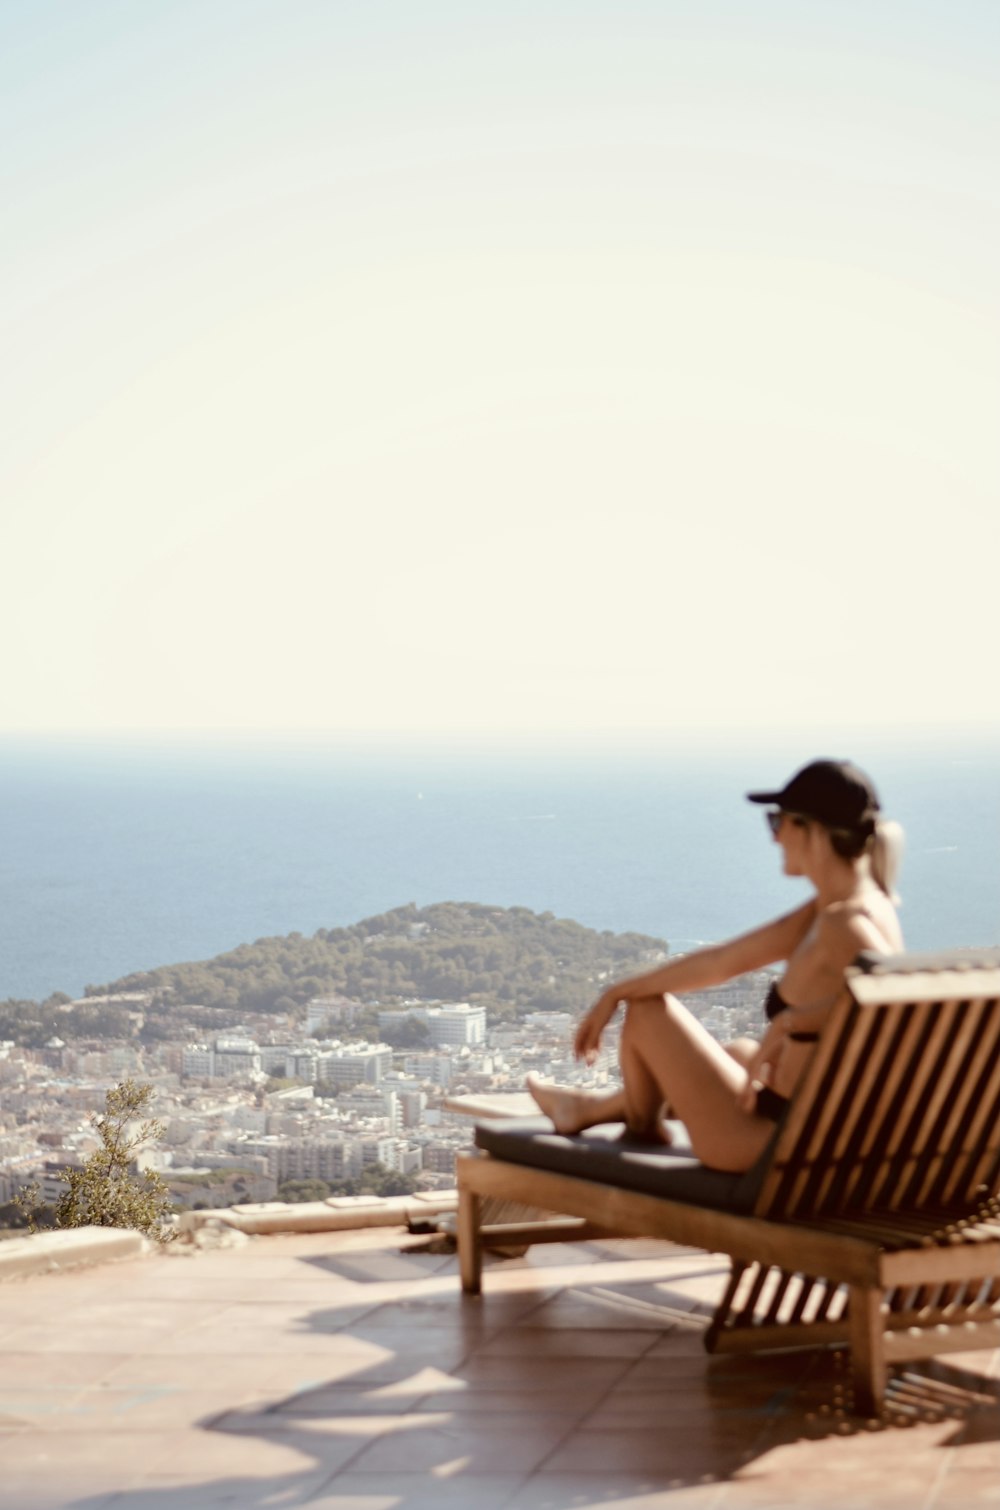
x,y
761,1068
587,1043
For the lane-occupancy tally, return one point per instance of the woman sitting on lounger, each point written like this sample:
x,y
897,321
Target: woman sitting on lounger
x,y
827,822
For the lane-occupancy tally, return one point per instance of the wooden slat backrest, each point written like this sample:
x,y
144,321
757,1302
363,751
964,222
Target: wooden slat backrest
x,y
966,1113
982,1168
899,1108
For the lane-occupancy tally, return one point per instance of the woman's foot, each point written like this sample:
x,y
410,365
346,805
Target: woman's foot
x,y
570,1110
574,1110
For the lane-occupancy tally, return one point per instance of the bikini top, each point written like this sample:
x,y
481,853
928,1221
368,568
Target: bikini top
x,y
774,1003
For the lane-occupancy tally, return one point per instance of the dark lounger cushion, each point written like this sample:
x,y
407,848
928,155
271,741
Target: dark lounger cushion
x,y
603,1154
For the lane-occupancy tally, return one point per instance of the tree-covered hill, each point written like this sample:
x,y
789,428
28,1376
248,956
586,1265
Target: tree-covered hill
x,y
511,959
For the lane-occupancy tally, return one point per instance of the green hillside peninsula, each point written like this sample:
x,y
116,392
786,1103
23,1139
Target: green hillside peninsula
x,y
510,960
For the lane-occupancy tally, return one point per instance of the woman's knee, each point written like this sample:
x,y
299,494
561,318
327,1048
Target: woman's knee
x,y
646,1014
743,1050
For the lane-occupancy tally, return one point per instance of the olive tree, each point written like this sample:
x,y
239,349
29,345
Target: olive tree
x,y
105,1191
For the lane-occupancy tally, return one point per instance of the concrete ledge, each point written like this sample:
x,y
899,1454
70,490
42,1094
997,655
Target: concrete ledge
x,y
337,1214
47,1252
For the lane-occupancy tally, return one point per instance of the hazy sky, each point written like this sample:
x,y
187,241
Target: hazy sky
x,y
539,366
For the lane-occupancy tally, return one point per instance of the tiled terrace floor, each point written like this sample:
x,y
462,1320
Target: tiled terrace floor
x,y
341,1372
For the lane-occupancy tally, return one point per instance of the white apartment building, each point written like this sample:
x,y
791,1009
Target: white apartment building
x,y
274,1058
455,1025
324,1010
440,1157
198,1062
405,1158
377,1151
236,1057
371,1103
102,1064
412,1104
302,1064
307,1158
433,1067
17,1174
228,1059
354,1064
554,1024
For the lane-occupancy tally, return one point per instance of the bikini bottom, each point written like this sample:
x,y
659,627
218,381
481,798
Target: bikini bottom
x,y
770,1104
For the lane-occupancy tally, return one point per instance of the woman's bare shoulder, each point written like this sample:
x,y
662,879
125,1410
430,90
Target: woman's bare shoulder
x,y
859,923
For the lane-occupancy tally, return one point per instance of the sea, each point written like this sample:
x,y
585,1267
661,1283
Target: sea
x,y
126,854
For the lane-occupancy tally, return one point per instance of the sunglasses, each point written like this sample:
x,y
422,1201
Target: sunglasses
x,y
776,817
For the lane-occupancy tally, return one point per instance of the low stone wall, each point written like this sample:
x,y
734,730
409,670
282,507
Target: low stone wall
x,y
338,1213
49,1252
77,1247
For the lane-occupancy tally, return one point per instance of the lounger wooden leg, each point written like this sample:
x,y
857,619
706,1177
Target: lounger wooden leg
x,y
867,1350
470,1249
724,1309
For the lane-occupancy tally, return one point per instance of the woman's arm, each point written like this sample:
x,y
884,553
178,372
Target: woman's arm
x,y
716,963
697,971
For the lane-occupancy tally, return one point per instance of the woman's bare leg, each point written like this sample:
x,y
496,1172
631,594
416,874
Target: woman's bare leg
x,y
645,1109
639,1103
668,1059
694,1073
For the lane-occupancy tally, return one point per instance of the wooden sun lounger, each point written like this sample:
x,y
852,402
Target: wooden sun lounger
x,y
872,1219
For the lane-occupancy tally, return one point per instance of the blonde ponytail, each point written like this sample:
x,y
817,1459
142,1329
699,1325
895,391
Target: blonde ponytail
x,y
886,854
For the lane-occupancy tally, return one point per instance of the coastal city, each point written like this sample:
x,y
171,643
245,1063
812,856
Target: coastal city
x,y
261,1110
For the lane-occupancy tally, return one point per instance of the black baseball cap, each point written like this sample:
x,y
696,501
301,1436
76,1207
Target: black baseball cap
x,y
834,792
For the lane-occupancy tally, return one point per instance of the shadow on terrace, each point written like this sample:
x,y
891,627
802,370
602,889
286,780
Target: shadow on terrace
x,y
578,1380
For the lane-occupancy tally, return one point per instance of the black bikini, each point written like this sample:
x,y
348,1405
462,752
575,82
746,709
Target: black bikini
x,y
774,1003
769,1104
